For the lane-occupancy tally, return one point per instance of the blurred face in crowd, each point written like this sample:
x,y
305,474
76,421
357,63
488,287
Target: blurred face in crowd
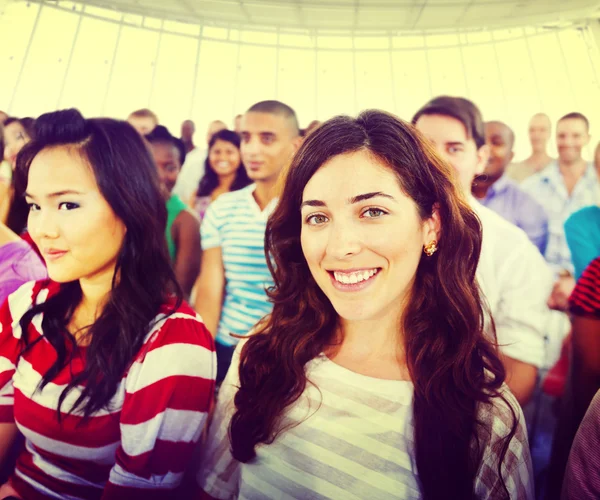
x,y
571,137
15,137
213,128
268,143
237,124
224,158
539,132
166,157
187,130
449,137
143,124
499,139
362,237
70,221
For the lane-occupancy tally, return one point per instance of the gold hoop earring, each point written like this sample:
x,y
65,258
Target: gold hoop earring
x,y
430,248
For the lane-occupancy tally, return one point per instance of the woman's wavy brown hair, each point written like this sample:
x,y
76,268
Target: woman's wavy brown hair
x,y
453,366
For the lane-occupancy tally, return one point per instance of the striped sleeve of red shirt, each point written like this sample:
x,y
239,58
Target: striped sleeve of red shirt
x,y
10,334
585,299
168,391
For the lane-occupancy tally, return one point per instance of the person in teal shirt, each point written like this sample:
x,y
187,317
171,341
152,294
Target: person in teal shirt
x,y
583,237
183,227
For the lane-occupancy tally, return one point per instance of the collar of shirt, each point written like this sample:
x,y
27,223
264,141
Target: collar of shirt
x,y
498,187
551,175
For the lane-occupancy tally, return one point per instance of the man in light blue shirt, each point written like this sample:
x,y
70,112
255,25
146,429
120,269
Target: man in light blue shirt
x,y
230,292
564,187
495,190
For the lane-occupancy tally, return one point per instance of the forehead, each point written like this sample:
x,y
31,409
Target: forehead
x,y
540,122
351,174
495,129
442,129
571,125
164,150
13,128
220,143
59,169
256,123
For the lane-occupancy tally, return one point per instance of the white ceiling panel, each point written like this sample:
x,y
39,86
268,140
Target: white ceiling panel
x,y
358,15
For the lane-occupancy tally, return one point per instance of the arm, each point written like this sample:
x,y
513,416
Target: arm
x,y
168,393
521,378
522,317
210,289
585,370
186,235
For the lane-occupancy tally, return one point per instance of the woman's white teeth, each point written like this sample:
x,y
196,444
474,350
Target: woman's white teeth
x,y
352,278
223,164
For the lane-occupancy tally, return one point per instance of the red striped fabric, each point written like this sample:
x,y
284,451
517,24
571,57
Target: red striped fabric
x,y
140,446
585,299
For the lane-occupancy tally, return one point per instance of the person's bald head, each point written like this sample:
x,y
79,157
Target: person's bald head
x,y
500,139
540,128
214,127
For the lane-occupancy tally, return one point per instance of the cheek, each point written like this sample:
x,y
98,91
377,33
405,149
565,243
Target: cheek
x,y
313,246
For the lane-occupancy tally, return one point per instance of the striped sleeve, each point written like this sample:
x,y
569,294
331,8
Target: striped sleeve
x,y
516,468
210,236
585,299
10,334
168,392
219,473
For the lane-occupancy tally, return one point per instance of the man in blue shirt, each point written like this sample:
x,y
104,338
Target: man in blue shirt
x,y
495,190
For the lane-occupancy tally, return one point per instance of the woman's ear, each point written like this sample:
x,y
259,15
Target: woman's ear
x,y
433,226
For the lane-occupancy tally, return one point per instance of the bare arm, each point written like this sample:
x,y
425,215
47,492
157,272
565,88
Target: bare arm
x,y
186,234
585,372
210,288
8,433
520,378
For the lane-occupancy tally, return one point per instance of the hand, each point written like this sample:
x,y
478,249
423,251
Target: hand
x,y
6,490
562,290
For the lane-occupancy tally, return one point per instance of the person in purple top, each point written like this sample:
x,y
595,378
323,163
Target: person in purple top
x,y
18,263
501,194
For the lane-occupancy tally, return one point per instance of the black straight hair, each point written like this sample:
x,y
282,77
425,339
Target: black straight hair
x,y
143,279
210,179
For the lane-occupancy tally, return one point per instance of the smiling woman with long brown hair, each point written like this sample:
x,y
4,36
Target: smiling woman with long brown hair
x,y
372,377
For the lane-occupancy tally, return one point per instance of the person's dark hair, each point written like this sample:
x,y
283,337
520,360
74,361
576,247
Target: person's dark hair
x,y
161,135
210,179
460,109
16,219
277,108
1,142
454,367
576,116
143,278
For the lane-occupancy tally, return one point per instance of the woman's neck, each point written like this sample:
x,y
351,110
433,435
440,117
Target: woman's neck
x,y
372,347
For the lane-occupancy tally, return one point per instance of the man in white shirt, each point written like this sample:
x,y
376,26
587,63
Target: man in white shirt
x,y
193,167
512,273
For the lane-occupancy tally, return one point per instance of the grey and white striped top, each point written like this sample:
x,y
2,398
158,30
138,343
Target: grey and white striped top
x,y
354,441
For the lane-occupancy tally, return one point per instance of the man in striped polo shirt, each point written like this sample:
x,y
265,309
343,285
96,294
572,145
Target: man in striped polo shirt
x,y
230,293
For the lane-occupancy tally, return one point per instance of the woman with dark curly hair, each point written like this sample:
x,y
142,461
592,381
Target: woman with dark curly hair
x,y
372,377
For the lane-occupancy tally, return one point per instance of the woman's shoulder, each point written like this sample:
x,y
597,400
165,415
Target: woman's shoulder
x,y
179,323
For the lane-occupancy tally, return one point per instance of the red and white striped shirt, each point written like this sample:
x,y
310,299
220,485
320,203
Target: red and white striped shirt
x,y
137,449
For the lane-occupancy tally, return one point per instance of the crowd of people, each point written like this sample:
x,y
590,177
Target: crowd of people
x,y
366,308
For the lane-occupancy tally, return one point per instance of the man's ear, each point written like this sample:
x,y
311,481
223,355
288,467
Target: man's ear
x,y
483,155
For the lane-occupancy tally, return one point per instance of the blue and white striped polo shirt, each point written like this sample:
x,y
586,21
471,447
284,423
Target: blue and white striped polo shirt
x,y
235,223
